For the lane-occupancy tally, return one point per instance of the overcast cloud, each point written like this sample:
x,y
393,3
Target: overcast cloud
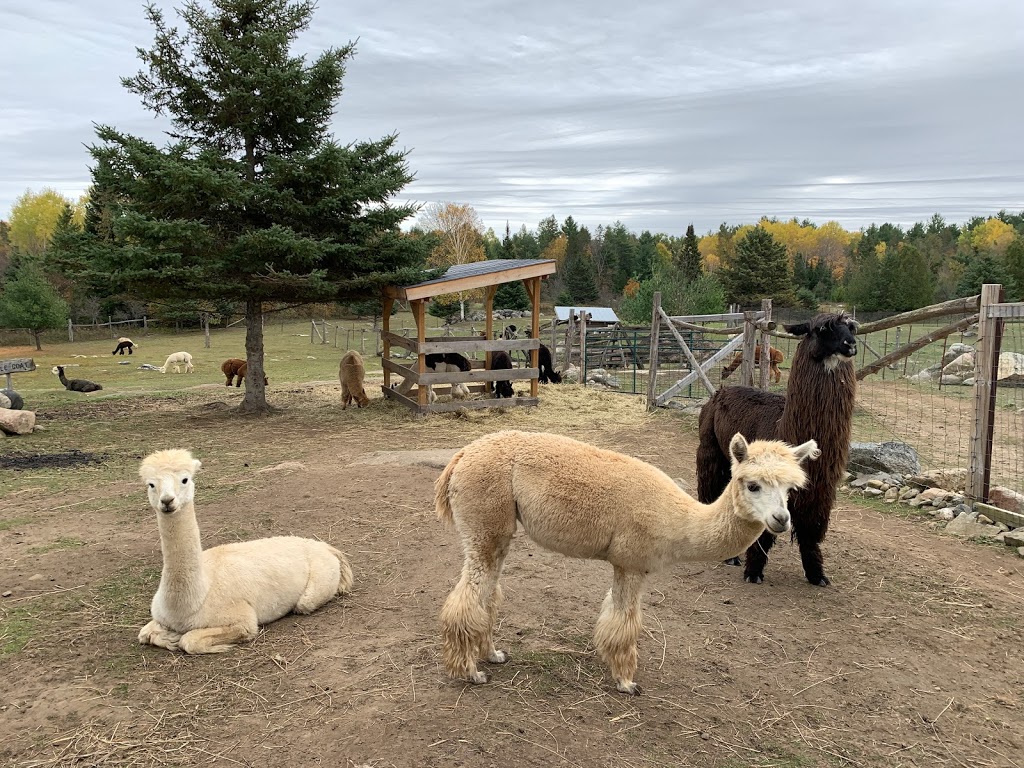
x,y
657,114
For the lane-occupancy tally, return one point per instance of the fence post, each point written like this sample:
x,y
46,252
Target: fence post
x,y
986,368
205,318
652,367
749,342
71,330
312,330
766,308
583,347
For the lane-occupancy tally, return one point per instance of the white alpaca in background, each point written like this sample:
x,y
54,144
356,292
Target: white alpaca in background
x,y
176,359
210,600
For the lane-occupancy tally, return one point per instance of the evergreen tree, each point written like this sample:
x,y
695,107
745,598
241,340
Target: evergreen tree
x,y
619,248
690,265
646,256
510,295
29,301
985,268
906,280
547,231
759,269
1015,267
253,200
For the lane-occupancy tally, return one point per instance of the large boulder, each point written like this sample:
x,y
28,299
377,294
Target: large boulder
x,y
17,401
16,422
954,351
954,479
960,365
1005,498
5,401
1011,367
892,457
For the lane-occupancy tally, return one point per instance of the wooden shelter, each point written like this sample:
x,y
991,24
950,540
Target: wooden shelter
x,y
463,277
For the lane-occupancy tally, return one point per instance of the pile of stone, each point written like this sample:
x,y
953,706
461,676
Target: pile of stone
x,y
891,472
958,364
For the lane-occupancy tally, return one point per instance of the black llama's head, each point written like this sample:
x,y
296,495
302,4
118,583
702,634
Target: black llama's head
x,y
830,338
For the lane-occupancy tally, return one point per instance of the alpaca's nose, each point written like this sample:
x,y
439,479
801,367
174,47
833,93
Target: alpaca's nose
x,y
851,349
780,522
167,504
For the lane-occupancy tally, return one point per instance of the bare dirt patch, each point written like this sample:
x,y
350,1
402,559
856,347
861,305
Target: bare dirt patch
x,y
61,460
912,658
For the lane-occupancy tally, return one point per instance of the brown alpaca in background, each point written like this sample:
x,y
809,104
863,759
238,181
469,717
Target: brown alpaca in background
x,y
351,373
233,367
775,357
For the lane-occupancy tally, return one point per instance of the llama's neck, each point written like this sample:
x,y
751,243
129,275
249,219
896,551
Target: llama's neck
x,y
711,531
183,582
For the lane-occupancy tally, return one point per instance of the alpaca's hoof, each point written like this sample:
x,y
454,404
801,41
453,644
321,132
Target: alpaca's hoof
x,y
824,581
498,657
732,561
479,678
628,687
753,578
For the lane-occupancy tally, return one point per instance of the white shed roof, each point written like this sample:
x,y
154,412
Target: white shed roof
x,y
597,314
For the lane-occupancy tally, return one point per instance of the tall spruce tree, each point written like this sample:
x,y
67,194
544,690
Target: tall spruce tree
x,y
510,295
252,199
759,269
690,265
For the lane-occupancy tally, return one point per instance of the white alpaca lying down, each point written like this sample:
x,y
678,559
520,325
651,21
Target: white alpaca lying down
x,y
209,600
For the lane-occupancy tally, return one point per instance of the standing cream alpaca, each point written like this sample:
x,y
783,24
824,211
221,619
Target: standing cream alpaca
x,y
586,502
208,601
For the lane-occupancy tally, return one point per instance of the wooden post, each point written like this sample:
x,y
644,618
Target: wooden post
x,y
533,289
554,339
206,330
71,330
749,342
418,314
489,324
766,308
986,368
652,367
385,329
569,328
312,330
583,346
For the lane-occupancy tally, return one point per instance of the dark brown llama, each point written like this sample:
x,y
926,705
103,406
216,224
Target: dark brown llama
x,y
818,405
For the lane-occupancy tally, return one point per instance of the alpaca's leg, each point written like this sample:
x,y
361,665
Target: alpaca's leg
x,y
809,529
618,628
492,597
757,558
465,623
221,639
155,633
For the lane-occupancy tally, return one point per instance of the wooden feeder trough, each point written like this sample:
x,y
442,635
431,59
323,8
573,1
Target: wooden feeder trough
x,y
480,379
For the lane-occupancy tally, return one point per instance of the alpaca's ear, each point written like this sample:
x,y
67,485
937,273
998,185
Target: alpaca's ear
x,y
738,448
854,325
798,329
196,464
808,450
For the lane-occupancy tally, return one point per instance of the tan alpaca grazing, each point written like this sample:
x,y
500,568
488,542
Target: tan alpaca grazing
x,y
210,600
587,502
351,373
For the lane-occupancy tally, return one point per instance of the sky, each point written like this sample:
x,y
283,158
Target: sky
x,y
655,114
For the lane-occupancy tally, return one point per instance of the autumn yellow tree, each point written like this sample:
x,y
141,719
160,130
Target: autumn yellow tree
x,y
459,232
994,236
34,217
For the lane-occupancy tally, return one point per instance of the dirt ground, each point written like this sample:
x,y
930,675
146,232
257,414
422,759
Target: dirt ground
x,y
913,657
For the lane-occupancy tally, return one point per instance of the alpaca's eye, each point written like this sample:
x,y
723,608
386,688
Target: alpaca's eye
x,y
753,487
152,485
184,481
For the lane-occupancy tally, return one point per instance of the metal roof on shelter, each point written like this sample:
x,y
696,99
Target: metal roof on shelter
x,y
474,275
597,314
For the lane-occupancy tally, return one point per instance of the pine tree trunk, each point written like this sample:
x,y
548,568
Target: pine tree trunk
x,y
255,400
39,344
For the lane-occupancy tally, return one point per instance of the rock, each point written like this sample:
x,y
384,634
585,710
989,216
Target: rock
x,y
891,457
968,382
961,364
962,509
985,519
908,493
876,483
954,351
950,380
14,422
969,527
1007,499
953,479
1014,538
933,494
872,492
1011,367
860,482
1020,551
928,374
5,401
17,401
919,502
946,513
